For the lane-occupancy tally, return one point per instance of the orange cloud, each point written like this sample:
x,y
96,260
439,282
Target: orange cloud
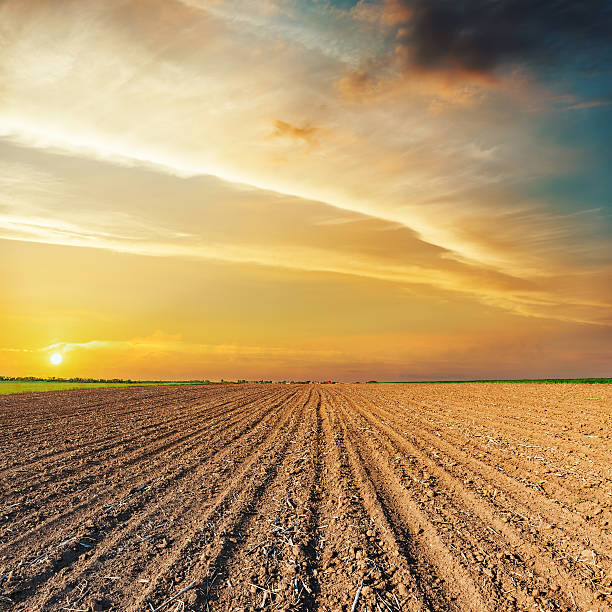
x,y
389,13
282,129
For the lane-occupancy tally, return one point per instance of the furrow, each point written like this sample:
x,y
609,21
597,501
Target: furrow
x,y
445,584
87,484
211,540
519,543
96,522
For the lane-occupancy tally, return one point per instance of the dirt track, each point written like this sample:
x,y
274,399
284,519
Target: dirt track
x,y
440,497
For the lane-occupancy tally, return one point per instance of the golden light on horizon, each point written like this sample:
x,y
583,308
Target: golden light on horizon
x,y
56,359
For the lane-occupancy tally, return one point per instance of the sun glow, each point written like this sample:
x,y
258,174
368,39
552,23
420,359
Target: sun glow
x,y
56,359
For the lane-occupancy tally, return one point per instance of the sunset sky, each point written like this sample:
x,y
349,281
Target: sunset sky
x,y
306,189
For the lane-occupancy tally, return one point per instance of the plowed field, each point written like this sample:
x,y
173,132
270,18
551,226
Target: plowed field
x,y
308,497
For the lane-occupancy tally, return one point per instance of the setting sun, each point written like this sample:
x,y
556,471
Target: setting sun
x,y
55,359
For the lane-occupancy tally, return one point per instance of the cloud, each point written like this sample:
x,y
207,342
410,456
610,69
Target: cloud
x,y
429,269
306,133
480,36
589,104
190,91
173,343
193,94
389,13
90,345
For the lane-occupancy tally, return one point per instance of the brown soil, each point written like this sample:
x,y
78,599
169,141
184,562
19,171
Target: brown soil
x,y
413,497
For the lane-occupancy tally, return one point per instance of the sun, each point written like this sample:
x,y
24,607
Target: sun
x,y
56,359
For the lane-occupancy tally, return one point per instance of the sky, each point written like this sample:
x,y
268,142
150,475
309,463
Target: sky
x,y
306,189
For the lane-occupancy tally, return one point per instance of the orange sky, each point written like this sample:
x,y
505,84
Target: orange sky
x,y
260,190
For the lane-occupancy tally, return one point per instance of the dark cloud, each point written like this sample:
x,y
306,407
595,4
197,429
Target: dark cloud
x,y
481,36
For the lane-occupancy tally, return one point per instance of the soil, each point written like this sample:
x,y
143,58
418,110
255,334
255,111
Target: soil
x,y
307,497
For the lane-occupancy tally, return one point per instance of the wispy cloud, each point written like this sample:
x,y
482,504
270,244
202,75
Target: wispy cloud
x,y
590,104
504,292
161,342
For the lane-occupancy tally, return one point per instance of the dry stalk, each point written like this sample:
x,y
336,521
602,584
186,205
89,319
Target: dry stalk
x,y
163,605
